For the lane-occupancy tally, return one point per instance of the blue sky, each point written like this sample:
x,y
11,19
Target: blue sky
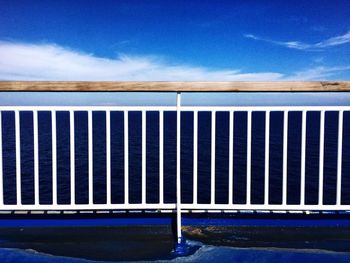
x,y
175,40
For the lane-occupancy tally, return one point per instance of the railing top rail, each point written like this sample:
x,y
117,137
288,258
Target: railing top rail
x,y
163,86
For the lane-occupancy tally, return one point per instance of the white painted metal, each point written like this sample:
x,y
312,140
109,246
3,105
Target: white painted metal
x,y
264,108
36,157
178,167
230,167
184,206
87,108
126,157
161,157
173,108
212,158
249,156
177,207
70,207
285,153
72,157
267,157
1,164
263,207
321,158
195,156
143,175
340,156
303,157
54,157
18,159
91,161
108,157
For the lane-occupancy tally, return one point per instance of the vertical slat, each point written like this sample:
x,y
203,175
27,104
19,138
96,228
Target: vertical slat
x,y
54,157
91,161
161,157
18,159
285,154
178,166
249,150
143,175
72,158
212,158
267,158
1,165
108,156
230,157
36,157
195,157
321,159
303,158
126,157
340,156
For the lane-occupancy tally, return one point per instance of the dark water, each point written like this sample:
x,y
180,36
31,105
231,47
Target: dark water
x,y
152,148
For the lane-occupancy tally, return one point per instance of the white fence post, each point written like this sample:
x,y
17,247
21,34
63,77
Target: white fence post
x,y
178,167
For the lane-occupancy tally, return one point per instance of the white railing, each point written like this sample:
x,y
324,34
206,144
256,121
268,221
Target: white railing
x,y
161,205
177,206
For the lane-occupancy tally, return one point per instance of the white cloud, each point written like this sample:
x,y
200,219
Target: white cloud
x,y
22,61
333,41
317,73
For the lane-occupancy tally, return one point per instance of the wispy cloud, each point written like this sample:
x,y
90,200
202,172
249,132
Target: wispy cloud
x,y
330,42
318,60
317,73
23,61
